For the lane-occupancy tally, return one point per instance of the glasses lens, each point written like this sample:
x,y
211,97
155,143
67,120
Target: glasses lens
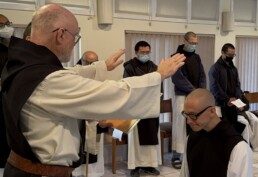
x,y
191,116
2,25
9,24
77,37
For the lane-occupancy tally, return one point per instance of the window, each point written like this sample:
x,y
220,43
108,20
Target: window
x,y
171,9
246,62
132,7
78,3
205,10
18,4
82,7
192,11
245,11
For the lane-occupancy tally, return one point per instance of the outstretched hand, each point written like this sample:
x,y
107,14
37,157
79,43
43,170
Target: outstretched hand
x,y
169,66
113,61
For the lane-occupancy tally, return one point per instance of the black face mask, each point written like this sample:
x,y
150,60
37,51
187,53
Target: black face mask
x,y
228,59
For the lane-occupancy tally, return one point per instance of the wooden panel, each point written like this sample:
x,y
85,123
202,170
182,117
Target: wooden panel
x,y
252,97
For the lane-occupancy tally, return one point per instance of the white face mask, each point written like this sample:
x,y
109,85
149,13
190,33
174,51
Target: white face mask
x,y
6,32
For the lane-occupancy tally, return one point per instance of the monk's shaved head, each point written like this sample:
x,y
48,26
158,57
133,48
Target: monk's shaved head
x,y
55,27
89,57
3,19
201,97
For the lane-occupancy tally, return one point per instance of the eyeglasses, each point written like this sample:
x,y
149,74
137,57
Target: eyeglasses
x,y
194,116
76,36
230,55
144,53
9,24
192,43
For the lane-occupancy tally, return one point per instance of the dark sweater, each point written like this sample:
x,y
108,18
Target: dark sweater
x,y
191,75
208,153
147,128
4,148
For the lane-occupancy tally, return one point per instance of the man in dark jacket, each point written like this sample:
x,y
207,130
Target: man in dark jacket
x,y
186,79
225,85
143,139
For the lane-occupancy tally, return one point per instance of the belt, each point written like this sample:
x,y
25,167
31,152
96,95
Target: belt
x,y
38,168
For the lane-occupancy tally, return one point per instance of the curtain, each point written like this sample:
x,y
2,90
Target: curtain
x,y
165,44
247,64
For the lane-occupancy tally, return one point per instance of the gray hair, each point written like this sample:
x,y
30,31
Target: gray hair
x,y
188,35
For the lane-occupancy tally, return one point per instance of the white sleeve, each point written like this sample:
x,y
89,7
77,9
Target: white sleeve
x,y
184,172
97,70
241,161
66,94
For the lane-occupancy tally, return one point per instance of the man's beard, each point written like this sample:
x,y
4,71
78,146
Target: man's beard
x,y
65,55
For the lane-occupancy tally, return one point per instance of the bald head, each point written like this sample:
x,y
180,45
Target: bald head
x,y
89,57
201,98
49,17
3,19
55,27
201,104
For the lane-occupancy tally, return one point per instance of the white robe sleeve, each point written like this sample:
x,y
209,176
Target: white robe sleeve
x,y
241,161
97,70
65,93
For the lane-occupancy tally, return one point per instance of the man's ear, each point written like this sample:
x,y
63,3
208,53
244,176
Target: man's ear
x,y
27,38
213,110
60,36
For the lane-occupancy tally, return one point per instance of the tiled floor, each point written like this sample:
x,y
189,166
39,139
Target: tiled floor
x,y
165,170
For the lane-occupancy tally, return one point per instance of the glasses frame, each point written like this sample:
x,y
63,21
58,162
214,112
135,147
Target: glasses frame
x,y
192,43
194,116
76,36
9,24
230,55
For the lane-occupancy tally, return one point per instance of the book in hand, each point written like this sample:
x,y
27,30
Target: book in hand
x,y
238,103
123,125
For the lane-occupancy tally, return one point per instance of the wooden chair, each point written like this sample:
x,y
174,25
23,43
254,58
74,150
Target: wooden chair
x,y
115,143
165,132
252,97
166,127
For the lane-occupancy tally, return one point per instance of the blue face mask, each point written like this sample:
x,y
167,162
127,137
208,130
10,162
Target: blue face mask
x,y
191,48
143,58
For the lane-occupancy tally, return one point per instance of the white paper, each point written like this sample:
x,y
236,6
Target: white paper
x,y
238,103
117,134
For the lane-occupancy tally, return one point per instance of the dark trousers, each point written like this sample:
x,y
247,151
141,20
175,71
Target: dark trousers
x,y
4,148
230,114
11,171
